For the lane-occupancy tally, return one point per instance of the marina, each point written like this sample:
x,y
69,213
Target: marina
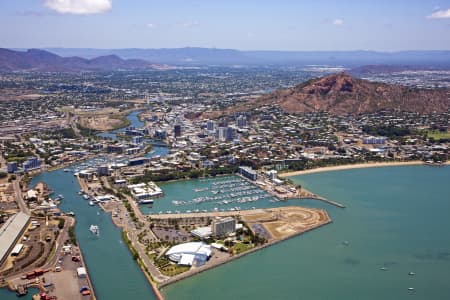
x,y
226,193
398,241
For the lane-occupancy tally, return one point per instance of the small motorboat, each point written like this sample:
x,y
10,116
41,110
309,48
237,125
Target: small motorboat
x,y
411,273
94,229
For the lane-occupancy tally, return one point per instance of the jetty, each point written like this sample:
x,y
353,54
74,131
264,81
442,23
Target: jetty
x,y
330,202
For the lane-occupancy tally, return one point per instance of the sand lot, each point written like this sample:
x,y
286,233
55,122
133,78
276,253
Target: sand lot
x,y
286,221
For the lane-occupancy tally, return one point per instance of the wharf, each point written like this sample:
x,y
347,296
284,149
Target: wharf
x,y
330,202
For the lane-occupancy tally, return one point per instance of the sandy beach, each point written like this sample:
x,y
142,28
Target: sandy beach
x,y
354,166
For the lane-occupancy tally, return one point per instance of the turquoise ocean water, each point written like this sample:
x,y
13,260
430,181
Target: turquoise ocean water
x,y
396,218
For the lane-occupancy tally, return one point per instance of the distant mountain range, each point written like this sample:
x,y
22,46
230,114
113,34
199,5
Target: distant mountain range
x,y
44,61
213,56
341,94
80,59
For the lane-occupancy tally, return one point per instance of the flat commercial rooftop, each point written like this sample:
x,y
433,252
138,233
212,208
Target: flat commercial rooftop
x,y
10,231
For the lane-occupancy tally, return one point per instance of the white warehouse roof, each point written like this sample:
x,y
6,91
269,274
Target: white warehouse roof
x,y
194,248
10,232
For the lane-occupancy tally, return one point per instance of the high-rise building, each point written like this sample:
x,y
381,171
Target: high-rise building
x,y
12,167
177,130
241,121
222,133
230,134
248,172
224,226
211,125
31,163
223,122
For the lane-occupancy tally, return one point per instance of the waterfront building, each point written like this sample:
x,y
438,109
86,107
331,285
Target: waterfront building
x,y
187,253
87,174
103,170
202,232
144,192
138,161
248,173
223,226
10,232
272,174
134,131
31,163
12,167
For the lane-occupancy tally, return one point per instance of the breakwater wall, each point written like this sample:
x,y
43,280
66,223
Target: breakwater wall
x,y
227,260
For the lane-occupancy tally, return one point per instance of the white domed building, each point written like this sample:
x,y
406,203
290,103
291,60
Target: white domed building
x,y
187,253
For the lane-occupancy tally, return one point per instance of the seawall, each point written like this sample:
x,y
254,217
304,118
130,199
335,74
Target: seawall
x,y
227,260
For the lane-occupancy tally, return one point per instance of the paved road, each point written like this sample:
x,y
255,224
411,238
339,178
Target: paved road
x,y
19,197
138,213
130,228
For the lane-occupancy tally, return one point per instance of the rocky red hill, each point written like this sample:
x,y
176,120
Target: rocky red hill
x,y
342,94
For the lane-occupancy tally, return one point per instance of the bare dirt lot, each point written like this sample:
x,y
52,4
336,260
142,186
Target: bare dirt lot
x,y
286,221
102,122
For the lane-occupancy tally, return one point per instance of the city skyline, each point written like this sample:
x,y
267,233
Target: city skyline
x,y
250,25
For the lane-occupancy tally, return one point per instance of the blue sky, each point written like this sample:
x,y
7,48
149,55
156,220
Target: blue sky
x,y
246,24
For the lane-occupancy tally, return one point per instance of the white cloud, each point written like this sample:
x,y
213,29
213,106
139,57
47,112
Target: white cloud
x,y
188,23
440,14
151,25
338,22
79,7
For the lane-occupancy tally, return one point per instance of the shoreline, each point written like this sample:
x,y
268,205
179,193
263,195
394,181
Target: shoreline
x,y
355,166
202,269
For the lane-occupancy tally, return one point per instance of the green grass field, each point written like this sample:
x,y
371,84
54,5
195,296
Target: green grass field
x,y
437,135
172,269
241,247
